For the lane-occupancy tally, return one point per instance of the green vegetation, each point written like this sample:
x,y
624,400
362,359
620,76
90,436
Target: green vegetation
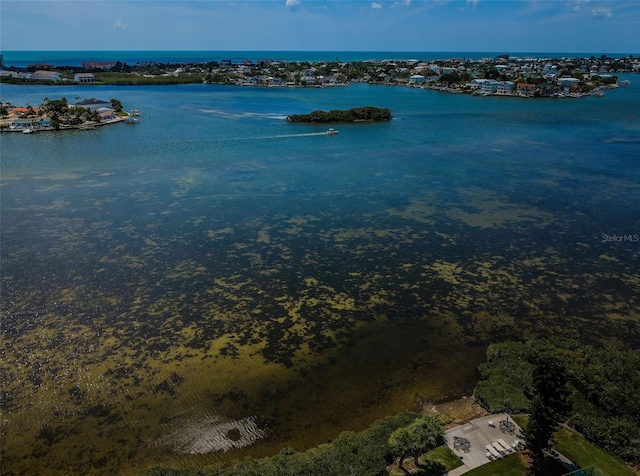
x,y
357,114
511,465
604,384
136,79
575,447
444,456
550,405
504,377
422,435
366,453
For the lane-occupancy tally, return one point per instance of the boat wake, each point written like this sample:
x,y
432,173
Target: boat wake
x,y
283,136
308,134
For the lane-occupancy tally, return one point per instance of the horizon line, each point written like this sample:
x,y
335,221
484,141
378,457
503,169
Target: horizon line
x,y
323,51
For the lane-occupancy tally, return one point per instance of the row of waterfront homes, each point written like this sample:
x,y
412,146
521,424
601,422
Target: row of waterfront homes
x,y
20,118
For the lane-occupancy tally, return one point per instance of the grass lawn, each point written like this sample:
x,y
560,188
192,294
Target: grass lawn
x,y
515,465
521,420
434,463
511,465
575,447
444,456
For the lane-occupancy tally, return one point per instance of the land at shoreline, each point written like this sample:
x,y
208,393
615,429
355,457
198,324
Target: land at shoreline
x,y
503,75
460,409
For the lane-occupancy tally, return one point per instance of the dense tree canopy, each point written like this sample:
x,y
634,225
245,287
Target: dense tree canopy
x,y
422,435
549,396
356,114
604,380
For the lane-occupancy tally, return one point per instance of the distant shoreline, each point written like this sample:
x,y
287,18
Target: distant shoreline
x,y
503,75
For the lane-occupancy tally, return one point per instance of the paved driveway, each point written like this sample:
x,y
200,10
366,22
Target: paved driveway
x,y
480,432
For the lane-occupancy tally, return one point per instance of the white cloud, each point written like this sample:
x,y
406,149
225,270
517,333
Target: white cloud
x,y
576,5
602,12
292,4
375,5
473,2
118,25
404,3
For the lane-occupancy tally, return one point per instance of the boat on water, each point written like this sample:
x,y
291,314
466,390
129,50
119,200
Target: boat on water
x,y
133,117
86,127
331,131
27,131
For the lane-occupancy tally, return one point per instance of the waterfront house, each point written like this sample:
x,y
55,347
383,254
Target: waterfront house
x,y
45,75
84,77
505,87
485,86
327,80
489,86
527,89
477,83
21,123
44,122
106,114
416,79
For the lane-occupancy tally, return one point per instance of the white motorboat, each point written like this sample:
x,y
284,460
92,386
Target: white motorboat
x,y
331,131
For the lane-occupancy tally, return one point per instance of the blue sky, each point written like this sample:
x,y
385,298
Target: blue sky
x,y
589,26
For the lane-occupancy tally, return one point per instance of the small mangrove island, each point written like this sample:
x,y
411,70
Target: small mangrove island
x,y
356,114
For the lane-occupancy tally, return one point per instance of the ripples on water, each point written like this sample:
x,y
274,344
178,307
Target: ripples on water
x,y
215,282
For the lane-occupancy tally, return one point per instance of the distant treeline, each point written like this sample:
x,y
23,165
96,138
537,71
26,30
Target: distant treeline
x,y
356,114
117,79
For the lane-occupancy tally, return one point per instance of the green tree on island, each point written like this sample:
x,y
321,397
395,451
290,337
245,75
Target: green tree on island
x,y
116,105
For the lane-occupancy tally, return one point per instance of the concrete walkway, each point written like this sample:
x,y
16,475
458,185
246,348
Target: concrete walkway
x,y
480,433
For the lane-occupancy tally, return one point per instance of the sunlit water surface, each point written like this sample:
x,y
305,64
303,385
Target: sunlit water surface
x,y
215,282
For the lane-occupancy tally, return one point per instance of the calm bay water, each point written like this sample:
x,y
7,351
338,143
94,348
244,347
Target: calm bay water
x,y
215,282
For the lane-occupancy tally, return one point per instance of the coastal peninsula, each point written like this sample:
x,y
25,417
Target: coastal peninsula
x,y
502,75
356,114
59,114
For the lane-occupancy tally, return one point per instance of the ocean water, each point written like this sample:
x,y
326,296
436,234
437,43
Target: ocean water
x,y
22,59
214,282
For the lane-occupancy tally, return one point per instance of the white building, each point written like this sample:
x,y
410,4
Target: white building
x,y
45,76
84,77
486,86
505,87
